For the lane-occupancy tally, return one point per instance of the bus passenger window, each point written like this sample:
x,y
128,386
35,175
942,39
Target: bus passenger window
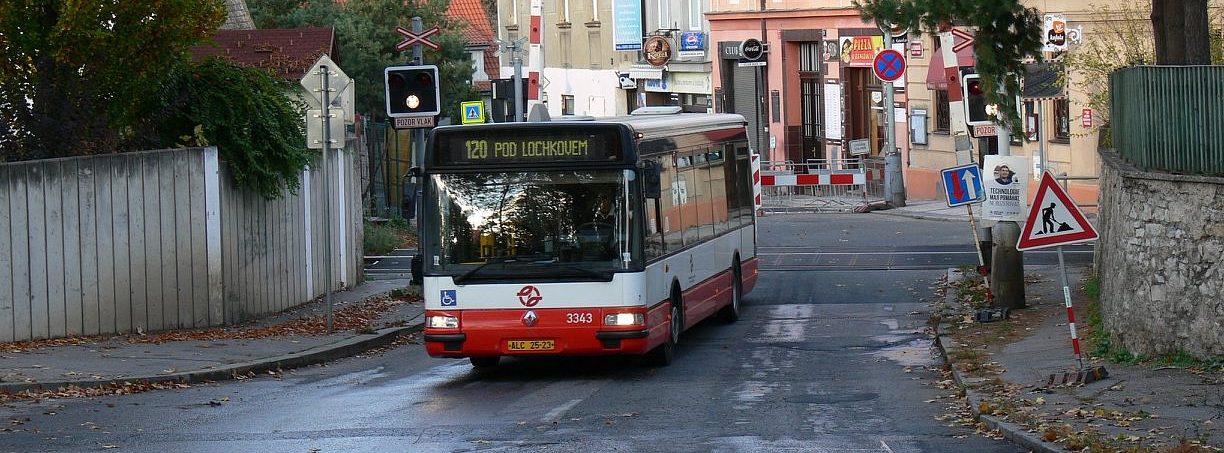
x,y
654,237
744,168
718,193
671,204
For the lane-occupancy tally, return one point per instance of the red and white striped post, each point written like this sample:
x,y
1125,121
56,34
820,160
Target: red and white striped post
x,y
535,58
1075,345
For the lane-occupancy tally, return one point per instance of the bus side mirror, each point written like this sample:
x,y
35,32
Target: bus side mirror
x,y
417,277
651,187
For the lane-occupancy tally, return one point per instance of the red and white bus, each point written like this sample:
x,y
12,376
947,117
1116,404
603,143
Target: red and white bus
x,y
609,236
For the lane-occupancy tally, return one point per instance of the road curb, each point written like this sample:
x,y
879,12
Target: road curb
x,y
1010,431
340,349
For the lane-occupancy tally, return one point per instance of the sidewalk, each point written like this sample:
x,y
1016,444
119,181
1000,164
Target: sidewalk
x,y
363,319
1139,408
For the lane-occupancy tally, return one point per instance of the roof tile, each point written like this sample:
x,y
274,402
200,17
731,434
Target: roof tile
x,y
287,53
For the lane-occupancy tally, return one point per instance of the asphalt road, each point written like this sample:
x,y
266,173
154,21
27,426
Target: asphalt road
x,y
829,355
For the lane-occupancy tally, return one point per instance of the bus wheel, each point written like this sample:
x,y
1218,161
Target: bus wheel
x,y
485,362
663,354
731,312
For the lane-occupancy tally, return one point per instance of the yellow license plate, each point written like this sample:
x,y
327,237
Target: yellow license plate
x,y
530,345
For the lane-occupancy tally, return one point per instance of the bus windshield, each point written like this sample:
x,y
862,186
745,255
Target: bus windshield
x,y
548,224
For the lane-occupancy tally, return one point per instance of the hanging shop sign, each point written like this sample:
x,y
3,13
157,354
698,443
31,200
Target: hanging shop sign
x,y
658,51
692,44
860,51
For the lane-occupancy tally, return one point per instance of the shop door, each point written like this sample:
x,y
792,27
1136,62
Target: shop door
x,y
864,104
813,127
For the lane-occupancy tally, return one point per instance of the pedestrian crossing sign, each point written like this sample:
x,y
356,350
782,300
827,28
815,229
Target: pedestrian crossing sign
x,y
473,112
1054,219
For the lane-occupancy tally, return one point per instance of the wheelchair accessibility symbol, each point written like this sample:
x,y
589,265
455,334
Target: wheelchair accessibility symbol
x,y
473,112
449,299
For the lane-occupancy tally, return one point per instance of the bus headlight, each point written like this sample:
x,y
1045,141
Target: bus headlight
x,y
624,319
442,322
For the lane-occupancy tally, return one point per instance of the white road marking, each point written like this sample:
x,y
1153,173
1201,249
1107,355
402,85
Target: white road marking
x,y
557,412
885,446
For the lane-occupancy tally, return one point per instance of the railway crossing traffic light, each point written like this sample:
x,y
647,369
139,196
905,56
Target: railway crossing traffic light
x,y
975,100
412,91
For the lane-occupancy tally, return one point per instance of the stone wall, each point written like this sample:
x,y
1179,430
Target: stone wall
x,y
1161,260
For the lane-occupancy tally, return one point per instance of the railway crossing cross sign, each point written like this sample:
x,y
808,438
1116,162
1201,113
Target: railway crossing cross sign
x,y
411,38
889,65
1061,221
963,184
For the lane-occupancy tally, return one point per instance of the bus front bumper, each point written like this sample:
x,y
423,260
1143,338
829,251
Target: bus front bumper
x,y
484,333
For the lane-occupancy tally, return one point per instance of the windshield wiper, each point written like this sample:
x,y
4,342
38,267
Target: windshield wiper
x,y
503,260
587,272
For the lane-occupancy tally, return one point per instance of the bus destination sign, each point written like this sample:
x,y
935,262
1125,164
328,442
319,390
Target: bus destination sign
x,y
527,147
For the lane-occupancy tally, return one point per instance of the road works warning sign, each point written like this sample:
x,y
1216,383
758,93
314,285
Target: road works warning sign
x,y
1054,219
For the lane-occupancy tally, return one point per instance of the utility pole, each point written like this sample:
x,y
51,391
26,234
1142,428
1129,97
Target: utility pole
x,y
517,81
1007,282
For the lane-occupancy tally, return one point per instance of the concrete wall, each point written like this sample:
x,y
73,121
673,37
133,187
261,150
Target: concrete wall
x,y
160,240
1159,260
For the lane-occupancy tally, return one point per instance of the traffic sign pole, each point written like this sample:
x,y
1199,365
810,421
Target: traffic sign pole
x,y
889,65
982,269
418,135
324,73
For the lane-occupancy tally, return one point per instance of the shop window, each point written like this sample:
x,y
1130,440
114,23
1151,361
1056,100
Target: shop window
x,y
1062,120
943,118
567,104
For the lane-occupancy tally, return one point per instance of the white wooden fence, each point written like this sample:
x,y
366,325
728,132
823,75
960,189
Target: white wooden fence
x,y
163,240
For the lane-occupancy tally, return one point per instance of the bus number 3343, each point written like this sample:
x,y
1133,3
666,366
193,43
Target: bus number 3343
x,y
579,318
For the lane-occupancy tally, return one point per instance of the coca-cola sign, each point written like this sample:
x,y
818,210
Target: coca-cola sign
x,y
657,50
752,49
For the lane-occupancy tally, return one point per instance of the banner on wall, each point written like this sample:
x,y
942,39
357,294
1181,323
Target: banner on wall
x,y
627,25
860,51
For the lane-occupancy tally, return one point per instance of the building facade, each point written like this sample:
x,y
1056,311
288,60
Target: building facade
x,y
811,91
592,57
815,91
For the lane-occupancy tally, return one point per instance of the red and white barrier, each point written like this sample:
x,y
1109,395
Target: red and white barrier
x,y
756,179
835,179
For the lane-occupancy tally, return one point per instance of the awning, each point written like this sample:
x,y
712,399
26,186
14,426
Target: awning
x,y
935,72
1041,82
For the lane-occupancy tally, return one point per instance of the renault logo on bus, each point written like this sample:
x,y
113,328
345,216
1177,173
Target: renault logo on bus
x,y
529,296
530,318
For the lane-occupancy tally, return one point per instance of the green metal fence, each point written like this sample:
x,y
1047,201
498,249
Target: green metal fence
x,y
390,156
1169,118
